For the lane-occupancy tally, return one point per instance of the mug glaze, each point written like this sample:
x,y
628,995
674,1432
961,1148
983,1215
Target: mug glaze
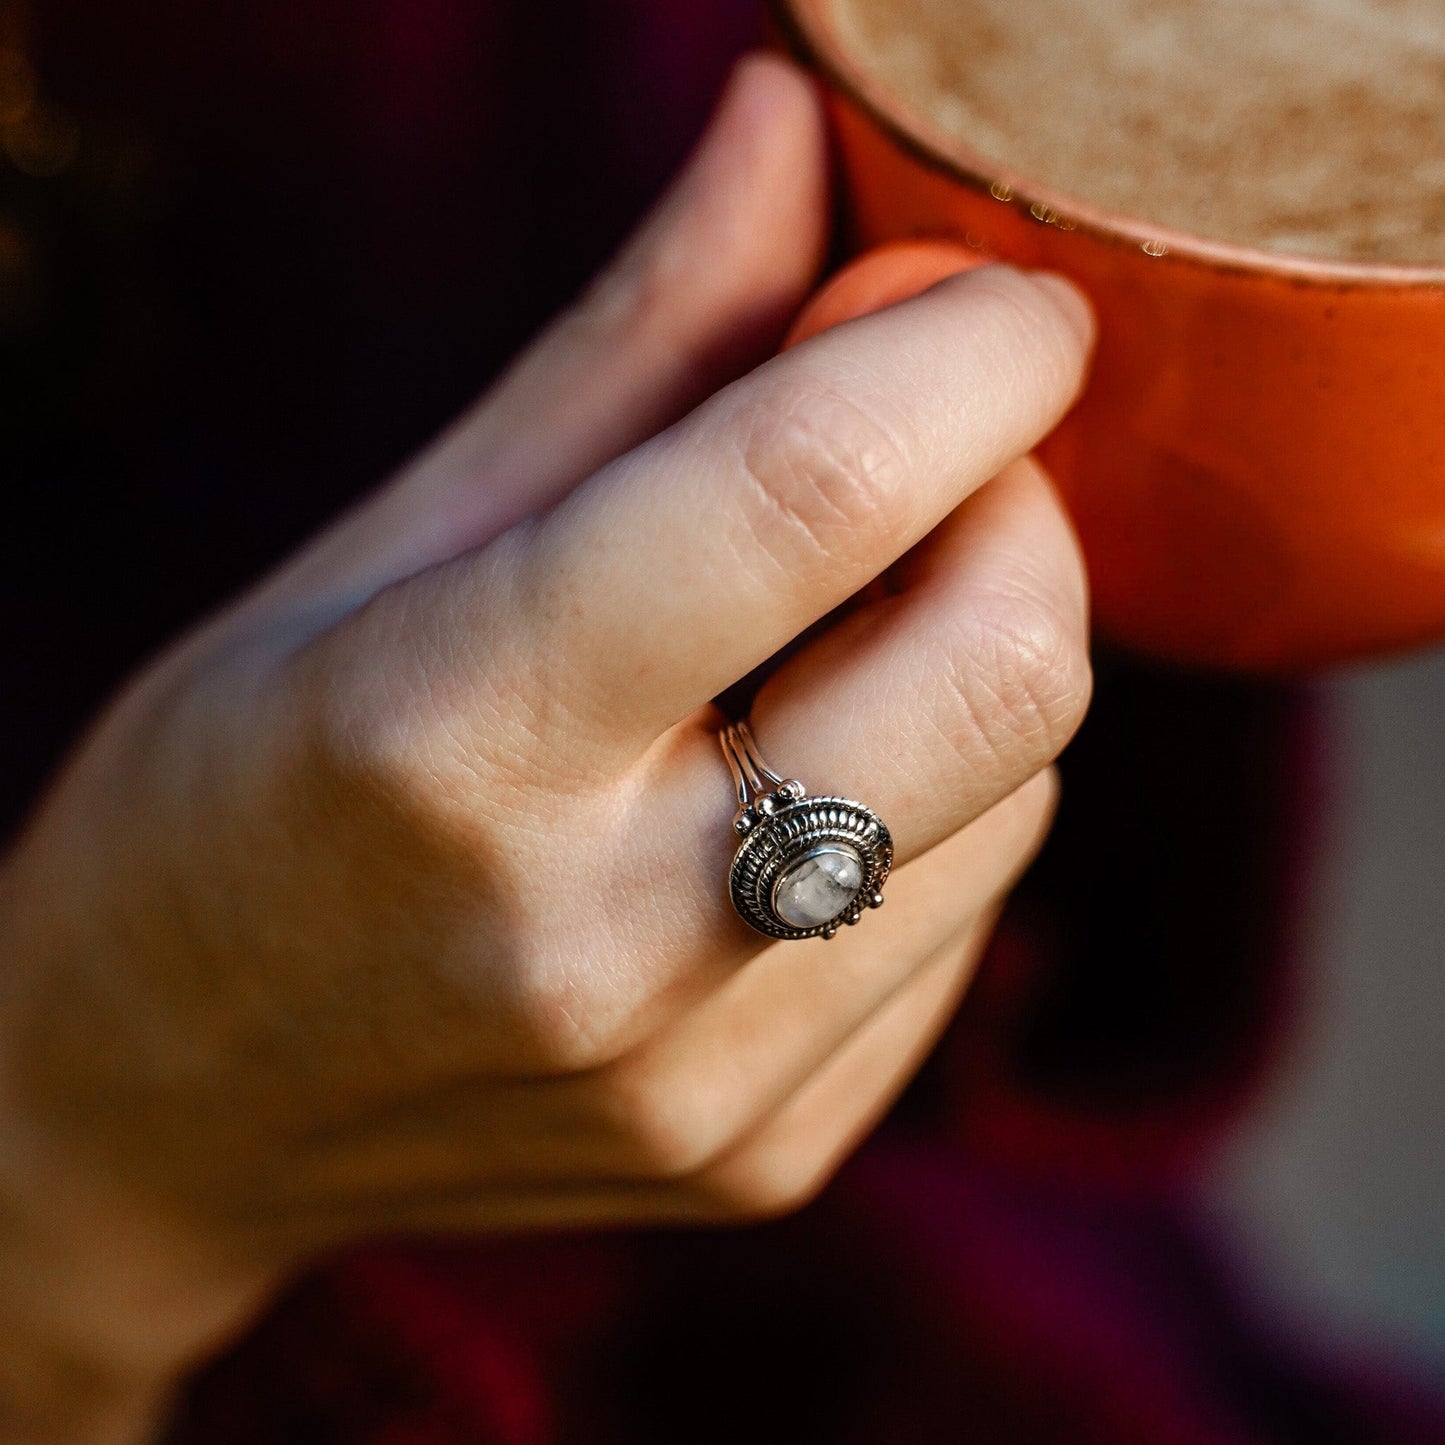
x,y
1257,468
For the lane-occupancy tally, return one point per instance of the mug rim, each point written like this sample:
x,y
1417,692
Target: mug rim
x,y
806,37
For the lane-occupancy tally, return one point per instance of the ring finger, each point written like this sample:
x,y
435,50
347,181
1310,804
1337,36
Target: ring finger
x,y
933,703
929,705
688,1096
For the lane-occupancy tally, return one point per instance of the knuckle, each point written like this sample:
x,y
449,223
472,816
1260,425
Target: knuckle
x,y
391,711
549,1014
1021,675
773,1181
371,744
825,474
376,728
350,735
672,1129
558,1029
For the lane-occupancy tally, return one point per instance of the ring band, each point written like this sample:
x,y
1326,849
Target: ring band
x,y
805,865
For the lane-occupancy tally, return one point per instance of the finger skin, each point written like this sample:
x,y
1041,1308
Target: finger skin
x,y
688,1095
782,1165
929,705
534,668
679,568
285,891
794,1154
932,704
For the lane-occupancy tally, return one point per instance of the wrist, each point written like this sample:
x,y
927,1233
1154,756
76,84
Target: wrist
x,y
104,1307
107,1298
49,1396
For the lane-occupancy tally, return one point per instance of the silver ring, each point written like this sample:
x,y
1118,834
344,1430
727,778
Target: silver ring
x,y
805,865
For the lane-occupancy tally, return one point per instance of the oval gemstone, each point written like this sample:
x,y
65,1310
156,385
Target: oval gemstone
x,y
819,886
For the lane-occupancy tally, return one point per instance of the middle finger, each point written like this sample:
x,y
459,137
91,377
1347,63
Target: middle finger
x,y
676,570
929,706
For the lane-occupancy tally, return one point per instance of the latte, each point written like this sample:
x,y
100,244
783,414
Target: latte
x,y
1313,127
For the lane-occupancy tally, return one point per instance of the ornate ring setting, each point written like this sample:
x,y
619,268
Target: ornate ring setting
x,y
805,865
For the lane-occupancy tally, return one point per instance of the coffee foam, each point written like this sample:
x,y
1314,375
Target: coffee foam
x,y
1313,127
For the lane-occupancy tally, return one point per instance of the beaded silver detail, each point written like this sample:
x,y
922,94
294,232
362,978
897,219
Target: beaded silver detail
x,y
805,866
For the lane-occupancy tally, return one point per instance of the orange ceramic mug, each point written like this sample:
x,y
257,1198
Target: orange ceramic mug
x,y
1257,469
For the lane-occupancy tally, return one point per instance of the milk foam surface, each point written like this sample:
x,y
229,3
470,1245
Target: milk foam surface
x,y
1313,127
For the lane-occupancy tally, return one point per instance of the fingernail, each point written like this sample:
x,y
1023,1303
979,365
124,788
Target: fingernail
x,y
744,88
747,78
1071,302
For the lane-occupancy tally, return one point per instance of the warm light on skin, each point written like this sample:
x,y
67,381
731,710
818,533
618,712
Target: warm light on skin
x,y
393,898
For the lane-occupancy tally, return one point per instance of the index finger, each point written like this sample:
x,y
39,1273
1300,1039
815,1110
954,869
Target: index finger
x,y
677,569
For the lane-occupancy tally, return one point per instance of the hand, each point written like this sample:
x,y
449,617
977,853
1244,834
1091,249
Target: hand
x,y
393,898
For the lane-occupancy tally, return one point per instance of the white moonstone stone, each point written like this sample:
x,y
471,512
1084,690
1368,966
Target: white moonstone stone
x,y
819,887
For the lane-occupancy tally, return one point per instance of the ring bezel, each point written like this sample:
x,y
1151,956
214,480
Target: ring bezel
x,y
778,836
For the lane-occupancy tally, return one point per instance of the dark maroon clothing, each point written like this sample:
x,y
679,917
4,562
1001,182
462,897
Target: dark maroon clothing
x,y
270,272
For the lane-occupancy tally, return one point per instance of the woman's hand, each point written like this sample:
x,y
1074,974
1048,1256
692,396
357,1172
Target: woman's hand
x,y
393,899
